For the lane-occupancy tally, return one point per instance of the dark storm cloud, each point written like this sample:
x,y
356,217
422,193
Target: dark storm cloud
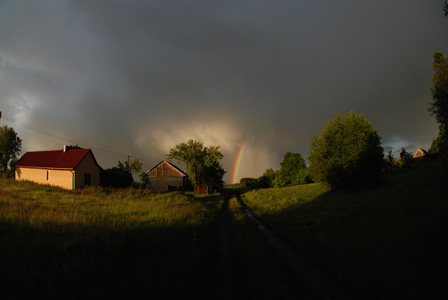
x,y
138,77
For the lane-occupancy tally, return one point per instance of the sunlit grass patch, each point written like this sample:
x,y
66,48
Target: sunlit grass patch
x,y
271,201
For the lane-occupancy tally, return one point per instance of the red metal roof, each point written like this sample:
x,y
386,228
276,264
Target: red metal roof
x,y
54,159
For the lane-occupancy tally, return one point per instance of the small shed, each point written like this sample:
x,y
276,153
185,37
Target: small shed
x,y
68,168
165,176
204,189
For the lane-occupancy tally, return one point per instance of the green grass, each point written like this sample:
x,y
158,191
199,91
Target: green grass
x,y
390,242
101,243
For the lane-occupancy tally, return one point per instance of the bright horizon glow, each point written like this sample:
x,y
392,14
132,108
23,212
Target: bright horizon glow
x,y
237,164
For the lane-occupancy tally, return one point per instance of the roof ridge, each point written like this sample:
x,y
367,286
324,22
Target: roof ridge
x,y
171,164
58,150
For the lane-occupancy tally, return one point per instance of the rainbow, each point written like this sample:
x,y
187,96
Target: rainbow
x,y
237,164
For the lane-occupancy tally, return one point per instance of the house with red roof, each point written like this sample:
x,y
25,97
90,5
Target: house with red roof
x,y
68,168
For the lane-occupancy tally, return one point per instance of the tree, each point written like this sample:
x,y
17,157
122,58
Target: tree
x,y
348,152
121,175
68,147
390,157
10,146
249,182
291,168
201,163
116,178
439,92
389,162
437,145
406,159
267,180
131,166
214,174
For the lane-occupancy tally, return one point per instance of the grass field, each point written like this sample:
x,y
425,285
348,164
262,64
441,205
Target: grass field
x,y
390,242
101,243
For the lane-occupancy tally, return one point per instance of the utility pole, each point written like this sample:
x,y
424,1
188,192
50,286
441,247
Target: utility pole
x,y
129,166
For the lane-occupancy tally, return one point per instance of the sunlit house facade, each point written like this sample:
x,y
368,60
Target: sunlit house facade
x,y
68,168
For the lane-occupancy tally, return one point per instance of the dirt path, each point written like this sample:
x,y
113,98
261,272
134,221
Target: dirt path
x,y
323,285
307,273
226,286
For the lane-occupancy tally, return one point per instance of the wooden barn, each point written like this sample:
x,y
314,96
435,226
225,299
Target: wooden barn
x,y
68,168
166,177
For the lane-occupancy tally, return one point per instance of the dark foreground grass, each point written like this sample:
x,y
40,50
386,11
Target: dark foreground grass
x,y
260,272
390,242
103,244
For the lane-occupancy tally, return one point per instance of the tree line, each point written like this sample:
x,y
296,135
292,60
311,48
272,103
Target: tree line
x,y
202,163
348,153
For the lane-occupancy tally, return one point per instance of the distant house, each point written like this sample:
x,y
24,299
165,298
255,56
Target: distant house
x,y
68,168
166,177
420,153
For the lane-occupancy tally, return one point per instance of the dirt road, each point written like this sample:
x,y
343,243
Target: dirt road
x,y
320,283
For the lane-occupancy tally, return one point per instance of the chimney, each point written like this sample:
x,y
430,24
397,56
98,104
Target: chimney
x,y
65,149
169,162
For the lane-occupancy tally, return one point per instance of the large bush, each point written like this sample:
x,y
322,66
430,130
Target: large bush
x,y
348,153
116,178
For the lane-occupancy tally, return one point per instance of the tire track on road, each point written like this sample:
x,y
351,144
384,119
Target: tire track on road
x,y
308,273
226,286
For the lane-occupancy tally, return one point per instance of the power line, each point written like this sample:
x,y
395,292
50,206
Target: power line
x,y
59,137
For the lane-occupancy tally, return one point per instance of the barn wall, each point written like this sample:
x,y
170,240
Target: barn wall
x,y
60,178
161,183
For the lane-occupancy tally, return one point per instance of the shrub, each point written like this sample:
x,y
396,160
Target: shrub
x,y
248,182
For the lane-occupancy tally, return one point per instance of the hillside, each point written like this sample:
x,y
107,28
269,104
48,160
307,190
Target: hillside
x,y
390,242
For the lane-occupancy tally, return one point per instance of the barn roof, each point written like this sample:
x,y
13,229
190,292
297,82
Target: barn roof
x,y
53,159
170,164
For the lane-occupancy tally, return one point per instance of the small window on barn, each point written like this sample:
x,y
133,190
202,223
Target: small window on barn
x,y
48,175
87,179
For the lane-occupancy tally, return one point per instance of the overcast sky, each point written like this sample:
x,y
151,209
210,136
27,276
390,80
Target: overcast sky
x,y
138,77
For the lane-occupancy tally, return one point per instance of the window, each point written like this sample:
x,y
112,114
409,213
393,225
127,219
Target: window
x,y
87,179
48,175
